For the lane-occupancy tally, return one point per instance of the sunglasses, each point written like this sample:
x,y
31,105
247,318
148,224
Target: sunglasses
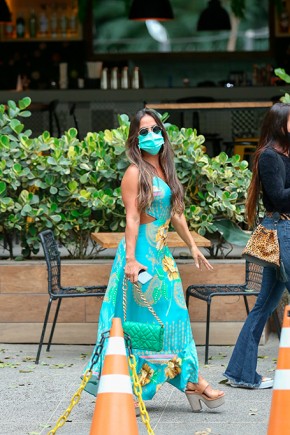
x,y
145,130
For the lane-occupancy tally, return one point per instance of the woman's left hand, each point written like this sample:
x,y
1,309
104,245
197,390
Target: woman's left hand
x,y
199,259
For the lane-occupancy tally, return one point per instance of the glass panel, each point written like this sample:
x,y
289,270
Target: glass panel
x,y
113,32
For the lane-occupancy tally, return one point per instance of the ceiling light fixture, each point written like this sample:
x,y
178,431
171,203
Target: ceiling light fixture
x,y
5,14
214,17
142,10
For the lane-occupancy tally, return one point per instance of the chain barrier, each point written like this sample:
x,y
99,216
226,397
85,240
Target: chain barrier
x,y
86,377
137,386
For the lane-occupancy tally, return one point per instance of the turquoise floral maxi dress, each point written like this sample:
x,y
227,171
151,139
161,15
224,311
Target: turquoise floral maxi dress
x,y
177,363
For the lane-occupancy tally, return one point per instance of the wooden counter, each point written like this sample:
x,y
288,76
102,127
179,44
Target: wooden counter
x,y
211,105
111,240
150,95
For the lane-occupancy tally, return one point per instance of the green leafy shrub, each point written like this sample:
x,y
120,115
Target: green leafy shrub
x,y
73,186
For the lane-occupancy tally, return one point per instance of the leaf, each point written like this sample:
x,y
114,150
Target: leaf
x,y
72,133
253,411
231,232
17,168
28,358
24,103
206,431
53,190
25,114
281,73
57,366
2,187
80,289
56,218
85,166
83,355
45,425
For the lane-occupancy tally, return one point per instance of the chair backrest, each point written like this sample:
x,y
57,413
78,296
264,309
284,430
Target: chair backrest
x,y
246,123
254,275
52,258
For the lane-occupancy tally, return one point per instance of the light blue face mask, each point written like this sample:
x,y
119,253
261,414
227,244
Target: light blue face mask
x,y
151,143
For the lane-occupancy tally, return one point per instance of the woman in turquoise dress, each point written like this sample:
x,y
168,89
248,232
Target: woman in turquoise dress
x,y
153,198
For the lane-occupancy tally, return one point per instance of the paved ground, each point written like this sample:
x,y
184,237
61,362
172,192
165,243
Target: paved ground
x,y
33,397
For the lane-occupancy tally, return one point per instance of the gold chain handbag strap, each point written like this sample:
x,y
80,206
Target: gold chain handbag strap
x,y
143,298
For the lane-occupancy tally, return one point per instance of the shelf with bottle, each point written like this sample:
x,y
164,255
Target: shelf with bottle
x,y
42,21
282,20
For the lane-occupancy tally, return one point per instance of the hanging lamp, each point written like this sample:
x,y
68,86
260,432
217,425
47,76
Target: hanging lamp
x,y
5,14
214,17
142,10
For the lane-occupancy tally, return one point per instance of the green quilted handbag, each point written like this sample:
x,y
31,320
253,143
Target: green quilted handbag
x,y
144,336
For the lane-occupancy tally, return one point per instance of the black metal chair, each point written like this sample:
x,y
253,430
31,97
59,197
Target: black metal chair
x,y
251,287
55,289
37,122
210,138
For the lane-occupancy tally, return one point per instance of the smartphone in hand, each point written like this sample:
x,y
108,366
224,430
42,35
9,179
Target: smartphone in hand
x,y
144,276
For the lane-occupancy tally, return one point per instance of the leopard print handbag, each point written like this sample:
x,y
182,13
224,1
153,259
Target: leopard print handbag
x,y
263,247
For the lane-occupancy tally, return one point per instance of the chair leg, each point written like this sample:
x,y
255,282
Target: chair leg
x,y
43,331
53,325
187,299
277,323
246,304
57,124
207,332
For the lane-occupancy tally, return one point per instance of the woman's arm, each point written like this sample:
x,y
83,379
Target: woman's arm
x,y
180,225
129,188
272,180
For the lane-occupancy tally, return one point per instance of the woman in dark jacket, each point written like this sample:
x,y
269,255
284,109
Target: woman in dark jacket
x,y
271,179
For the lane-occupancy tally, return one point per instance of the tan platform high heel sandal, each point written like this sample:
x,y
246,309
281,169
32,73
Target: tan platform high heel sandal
x,y
197,395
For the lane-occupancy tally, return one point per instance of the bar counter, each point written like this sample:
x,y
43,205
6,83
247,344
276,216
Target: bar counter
x,y
150,95
97,110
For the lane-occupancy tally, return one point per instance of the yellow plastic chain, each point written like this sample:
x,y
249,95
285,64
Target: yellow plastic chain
x,y
138,392
87,376
74,400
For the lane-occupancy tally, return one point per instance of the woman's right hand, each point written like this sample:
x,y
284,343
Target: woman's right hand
x,y
132,269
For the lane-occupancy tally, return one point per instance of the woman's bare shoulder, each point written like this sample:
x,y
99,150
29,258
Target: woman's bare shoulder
x,y
131,173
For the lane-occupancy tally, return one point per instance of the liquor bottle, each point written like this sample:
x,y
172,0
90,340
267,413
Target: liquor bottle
x,y
125,78
136,78
114,78
32,24
20,26
104,78
43,21
63,21
73,21
9,30
53,21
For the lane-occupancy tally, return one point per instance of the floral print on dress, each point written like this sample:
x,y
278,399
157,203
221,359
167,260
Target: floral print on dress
x,y
161,236
173,368
170,267
146,375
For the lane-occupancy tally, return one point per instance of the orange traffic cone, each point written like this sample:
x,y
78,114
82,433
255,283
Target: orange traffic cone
x,y
115,410
279,423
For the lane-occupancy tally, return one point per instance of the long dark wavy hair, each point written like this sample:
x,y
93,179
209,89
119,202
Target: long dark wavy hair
x,y
274,134
147,171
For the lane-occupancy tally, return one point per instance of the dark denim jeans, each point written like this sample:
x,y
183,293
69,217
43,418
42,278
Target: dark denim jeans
x,y
243,363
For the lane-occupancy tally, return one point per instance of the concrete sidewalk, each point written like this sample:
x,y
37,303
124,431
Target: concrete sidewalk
x,y
34,397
